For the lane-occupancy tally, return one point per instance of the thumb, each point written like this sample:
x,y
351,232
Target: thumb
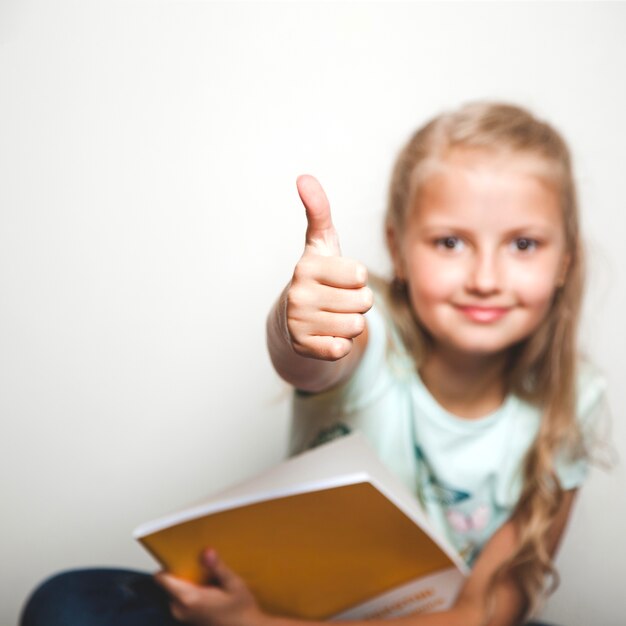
x,y
321,235
222,575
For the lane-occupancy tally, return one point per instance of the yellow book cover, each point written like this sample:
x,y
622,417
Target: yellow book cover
x,y
327,534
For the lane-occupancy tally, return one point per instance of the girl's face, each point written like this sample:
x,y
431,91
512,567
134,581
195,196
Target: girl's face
x,y
483,253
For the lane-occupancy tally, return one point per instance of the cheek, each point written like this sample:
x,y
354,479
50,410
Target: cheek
x,y
431,280
535,289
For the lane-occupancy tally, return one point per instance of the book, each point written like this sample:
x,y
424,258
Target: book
x,y
327,534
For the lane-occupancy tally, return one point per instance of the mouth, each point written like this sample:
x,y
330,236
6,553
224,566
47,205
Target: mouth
x,y
483,314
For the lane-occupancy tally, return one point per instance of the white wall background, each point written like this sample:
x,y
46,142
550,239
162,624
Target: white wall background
x,y
148,153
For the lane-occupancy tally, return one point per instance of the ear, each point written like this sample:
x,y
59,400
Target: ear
x,y
395,249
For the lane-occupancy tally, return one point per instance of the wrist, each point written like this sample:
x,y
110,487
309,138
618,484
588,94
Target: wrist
x,y
470,615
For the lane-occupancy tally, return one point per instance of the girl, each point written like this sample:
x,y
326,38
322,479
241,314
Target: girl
x,y
464,373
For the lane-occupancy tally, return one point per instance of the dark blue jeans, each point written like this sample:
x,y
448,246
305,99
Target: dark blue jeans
x,y
102,597
98,597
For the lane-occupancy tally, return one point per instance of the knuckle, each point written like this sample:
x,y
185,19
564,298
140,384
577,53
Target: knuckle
x,y
178,611
294,299
358,324
338,349
298,272
355,325
303,269
360,273
185,600
192,598
368,298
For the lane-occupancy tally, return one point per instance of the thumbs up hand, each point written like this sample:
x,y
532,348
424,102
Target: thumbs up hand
x,y
328,294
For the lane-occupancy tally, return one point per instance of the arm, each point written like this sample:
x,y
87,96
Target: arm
x,y
510,603
316,332
230,603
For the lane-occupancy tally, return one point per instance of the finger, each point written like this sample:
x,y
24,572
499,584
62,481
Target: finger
x,y
320,233
325,348
175,587
315,203
345,300
226,578
347,325
332,271
178,611
331,300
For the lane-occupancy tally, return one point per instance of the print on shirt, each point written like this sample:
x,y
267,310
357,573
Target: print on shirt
x,y
468,515
466,522
433,489
328,434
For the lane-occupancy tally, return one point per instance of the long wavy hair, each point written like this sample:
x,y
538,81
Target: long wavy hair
x,y
542,368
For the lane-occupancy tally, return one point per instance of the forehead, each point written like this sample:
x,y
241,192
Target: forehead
x,y
483,186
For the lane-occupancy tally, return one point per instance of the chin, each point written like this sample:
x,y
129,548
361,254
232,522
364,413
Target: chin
x,y
475,347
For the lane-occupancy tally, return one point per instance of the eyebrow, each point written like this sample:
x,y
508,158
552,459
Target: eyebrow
x,y
540,228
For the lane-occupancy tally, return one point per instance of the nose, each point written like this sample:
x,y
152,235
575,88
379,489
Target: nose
x,y
484,274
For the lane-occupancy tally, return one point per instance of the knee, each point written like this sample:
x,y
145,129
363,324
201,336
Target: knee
x,y
46,603
82,596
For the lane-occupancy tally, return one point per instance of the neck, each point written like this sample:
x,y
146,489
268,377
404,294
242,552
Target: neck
x,y
468,386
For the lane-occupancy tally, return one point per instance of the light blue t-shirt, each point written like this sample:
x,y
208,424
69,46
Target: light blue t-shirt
x,y
466,472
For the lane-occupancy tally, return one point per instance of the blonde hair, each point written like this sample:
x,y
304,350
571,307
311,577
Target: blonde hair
x,y
543,367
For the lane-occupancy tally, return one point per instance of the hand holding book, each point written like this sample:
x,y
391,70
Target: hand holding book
x,y
224,600
327,534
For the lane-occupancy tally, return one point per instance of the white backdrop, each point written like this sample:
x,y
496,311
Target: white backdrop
x,y
149,217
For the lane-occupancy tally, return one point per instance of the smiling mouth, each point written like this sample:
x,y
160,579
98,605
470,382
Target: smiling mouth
x,y
482,314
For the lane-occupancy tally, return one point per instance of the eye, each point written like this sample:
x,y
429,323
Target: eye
x,y
524,244
450,243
